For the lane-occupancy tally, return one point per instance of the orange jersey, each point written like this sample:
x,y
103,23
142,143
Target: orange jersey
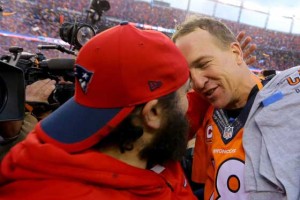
x,y
219,157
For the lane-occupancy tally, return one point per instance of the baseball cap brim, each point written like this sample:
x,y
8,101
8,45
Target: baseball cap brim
x,y
75,127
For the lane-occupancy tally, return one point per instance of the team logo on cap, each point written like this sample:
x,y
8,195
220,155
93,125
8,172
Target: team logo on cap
x,y
83,76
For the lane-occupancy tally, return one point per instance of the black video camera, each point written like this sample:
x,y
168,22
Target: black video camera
x,y
78,33
36,67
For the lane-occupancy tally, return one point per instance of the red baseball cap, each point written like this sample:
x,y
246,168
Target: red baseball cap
x,y
116,70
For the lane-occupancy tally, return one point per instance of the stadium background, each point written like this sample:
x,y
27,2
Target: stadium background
x,y
28,23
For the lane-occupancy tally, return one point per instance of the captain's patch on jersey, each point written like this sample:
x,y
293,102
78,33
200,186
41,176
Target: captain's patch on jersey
x,y
209,133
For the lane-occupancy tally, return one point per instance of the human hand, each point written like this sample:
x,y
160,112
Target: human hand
x,y
40,90
247,48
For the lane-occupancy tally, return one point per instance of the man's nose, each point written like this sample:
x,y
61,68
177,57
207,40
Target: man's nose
x,y
198,80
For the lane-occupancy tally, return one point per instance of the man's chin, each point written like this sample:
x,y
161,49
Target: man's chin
x,y
216,103
170,142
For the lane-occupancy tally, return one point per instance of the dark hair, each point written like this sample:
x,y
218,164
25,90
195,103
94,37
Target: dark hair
x,y
125,134
216,28
268,72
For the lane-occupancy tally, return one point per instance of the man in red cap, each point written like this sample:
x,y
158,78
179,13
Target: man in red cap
x,y
122,134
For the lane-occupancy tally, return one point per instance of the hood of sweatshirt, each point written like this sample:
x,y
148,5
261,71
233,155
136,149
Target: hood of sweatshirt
x,y
34,163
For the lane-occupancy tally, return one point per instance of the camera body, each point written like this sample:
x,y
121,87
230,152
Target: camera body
x,y
29,68
12,92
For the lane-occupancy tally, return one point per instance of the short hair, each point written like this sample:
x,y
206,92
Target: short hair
x,y
215,27
125,134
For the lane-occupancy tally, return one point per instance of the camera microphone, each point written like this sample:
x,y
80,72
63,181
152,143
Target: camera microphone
x,y
47,46
57,47
58,64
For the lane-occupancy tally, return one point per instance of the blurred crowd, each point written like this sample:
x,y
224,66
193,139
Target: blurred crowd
x,y
39,18
276,50
28,47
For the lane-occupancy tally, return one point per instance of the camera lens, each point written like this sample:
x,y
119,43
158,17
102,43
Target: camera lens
x,y
3,94
84,34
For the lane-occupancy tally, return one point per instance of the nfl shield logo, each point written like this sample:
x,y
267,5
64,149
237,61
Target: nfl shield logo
x,y
228,131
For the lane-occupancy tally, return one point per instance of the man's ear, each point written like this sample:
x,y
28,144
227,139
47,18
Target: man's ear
x,y
152,114
237,50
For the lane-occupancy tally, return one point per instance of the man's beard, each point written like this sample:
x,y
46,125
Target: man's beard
x,y
170,141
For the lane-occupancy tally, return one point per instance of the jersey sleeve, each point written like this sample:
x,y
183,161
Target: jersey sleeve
x,y
200,162
196,112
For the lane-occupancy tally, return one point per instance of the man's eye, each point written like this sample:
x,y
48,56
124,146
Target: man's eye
x,y
203,65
